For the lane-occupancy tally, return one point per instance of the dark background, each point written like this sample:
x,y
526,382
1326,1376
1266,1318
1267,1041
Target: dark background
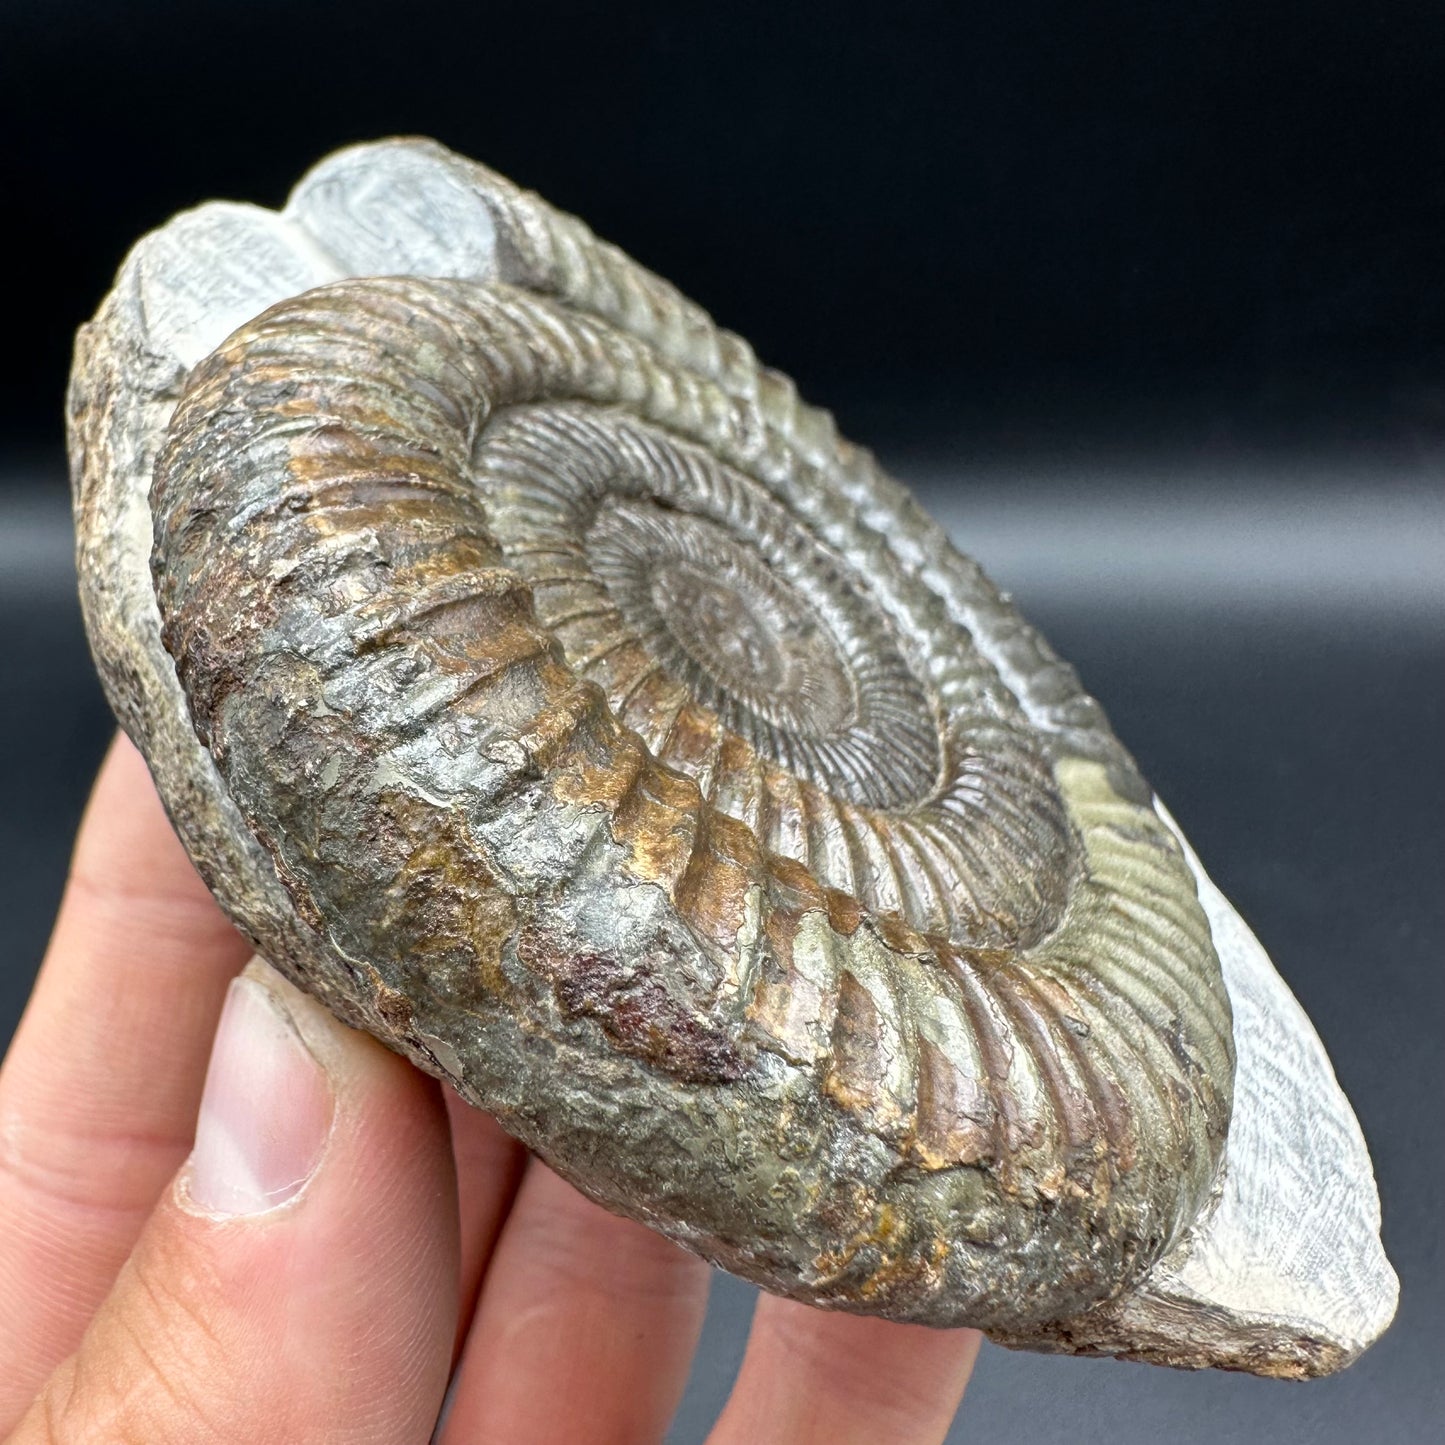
x,y
1147,301
1220,224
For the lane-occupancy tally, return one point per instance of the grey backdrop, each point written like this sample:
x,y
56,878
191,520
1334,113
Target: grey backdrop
x,y
1272,652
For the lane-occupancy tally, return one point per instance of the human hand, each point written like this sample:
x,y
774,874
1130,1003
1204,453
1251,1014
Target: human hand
x,y
343,1236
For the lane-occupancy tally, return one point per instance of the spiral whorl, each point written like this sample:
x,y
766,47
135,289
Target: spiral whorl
x,y
583,688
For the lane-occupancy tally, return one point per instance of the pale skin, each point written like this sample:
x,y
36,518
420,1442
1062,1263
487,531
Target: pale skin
x,y
340,1237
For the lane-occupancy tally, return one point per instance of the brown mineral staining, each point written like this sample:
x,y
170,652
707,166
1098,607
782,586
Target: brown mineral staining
x,y
637,1012
856,1077
899,936
396,1008
955,1123
712,893
913,1266
447,913
881,1257
694,737
657,821
844,913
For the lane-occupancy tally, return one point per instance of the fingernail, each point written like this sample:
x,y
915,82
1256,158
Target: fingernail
x,y
265,1111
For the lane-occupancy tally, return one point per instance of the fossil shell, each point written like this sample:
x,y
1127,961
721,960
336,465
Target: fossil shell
x,y
537,680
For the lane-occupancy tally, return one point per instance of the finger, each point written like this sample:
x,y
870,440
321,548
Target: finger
x,y
489,1164
585,1330
811,1377
98,1093
298,1280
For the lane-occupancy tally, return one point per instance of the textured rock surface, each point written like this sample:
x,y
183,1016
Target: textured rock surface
x,y
587,720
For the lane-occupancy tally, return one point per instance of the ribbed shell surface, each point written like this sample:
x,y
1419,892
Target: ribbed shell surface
x,y
716,823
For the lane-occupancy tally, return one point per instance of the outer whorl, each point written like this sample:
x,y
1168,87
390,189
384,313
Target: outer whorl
x,y
580,714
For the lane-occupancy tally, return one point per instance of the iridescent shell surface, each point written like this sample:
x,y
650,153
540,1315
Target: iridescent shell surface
x,y
542,684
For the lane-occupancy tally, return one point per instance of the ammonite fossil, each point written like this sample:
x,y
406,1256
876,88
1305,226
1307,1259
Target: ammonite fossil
x,y
537,680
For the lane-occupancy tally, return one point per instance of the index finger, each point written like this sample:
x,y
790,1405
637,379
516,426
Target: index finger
x,y
98,1093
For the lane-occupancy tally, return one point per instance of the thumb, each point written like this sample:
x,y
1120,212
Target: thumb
x,y
298,1281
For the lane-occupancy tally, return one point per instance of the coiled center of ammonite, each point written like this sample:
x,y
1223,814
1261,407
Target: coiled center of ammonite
x,y
677,584
744,639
